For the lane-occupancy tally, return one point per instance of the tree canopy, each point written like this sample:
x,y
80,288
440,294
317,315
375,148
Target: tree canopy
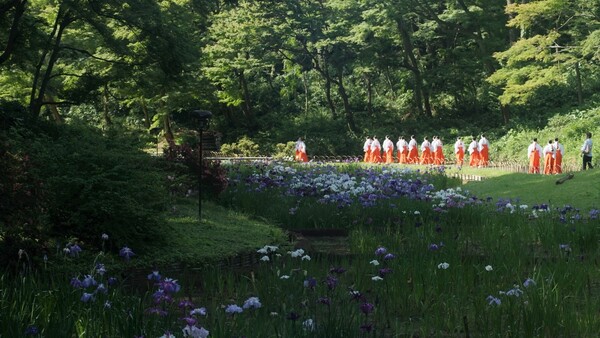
x,y
265,68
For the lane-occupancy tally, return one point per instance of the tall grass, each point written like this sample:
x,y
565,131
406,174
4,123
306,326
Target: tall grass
x,y
429,267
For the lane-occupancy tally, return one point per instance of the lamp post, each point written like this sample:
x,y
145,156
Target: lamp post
x,y
203,117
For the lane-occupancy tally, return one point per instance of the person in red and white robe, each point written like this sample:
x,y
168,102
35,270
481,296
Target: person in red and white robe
x,y
402,147
473,153
375,151
548,153
426,157
484,154
367,150
534,153
559,152
438,151
413,151
388,150
301,151
459,151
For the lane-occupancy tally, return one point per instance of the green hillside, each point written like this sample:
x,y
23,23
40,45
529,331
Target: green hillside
x,y
583,191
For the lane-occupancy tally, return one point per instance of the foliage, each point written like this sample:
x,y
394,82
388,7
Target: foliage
x,y
73,183
243,147
285,151
212,175
407,276
570,127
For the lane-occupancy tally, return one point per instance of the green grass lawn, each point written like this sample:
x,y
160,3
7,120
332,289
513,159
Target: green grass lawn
x,y
222,233
583,191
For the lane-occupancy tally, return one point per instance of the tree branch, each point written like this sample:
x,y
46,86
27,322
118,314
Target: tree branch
x,y
83,51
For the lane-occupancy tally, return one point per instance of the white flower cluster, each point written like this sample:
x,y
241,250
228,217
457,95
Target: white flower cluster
x,y
442,196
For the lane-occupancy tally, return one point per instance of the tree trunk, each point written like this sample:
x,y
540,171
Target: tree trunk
x,y
147,122
348,114
512,33
579,86
36,105
487,63
305,84
38,67
168,130
369,95
14,28
505,113
412,63
247,104
105,111
53,110
328,97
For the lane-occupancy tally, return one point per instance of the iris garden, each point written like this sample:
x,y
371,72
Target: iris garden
x,y
424,258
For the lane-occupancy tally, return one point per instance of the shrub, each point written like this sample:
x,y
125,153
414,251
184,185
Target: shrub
x,y
243,147
285,150
186,159
76,183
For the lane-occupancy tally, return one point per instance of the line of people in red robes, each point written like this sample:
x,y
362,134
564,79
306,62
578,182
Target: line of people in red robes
x,y
431,152
552,154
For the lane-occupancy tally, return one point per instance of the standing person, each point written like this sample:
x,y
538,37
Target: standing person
x,y
301,151
438,155
559,152
473,153
484,154
586,151
375,151
426,151
402,147
534,153
367,149
388,150
548,152
413,151
459,151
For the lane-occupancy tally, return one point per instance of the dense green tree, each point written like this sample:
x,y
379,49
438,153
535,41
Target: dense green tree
x,y
556,50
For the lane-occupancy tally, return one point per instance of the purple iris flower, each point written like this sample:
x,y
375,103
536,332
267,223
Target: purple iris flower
x,y
233,309
101,289
88,281
528,282
252,303
157,311
76,283
126,253
337,270
310,282
100,269
31,330
185,304
493,300
380,251
190,321
87,297
199,311
367,308
74,250
169,285
385,271
155,276
331,282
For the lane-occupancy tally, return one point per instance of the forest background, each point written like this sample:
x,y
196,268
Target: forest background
x,y
331,71
86,85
